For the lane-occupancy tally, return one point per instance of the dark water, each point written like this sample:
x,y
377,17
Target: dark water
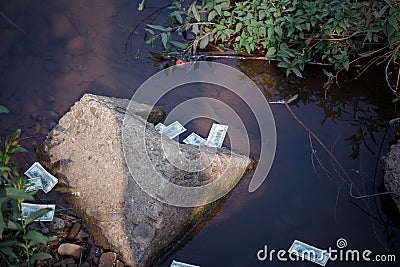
x,y
76,47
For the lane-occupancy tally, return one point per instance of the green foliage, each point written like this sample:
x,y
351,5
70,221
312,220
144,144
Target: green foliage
x,y
18,243
3,109
292,32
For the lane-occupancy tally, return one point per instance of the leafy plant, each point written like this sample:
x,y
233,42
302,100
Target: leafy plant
x,y
292,32
18,243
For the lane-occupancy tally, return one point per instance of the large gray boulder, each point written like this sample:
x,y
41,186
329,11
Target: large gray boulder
x,y
85,152
391,165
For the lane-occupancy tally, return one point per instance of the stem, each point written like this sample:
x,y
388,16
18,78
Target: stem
x,y
26,244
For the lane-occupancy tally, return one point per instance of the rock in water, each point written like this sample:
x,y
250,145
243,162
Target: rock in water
x,y
85,152
391,165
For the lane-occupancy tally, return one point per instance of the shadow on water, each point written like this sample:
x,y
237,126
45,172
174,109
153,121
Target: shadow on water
x,y
74,47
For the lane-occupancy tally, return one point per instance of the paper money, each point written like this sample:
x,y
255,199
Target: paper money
x,y
194,139
34,184
37,171
160,127
27,208
181,264
216,135
309,252
173,130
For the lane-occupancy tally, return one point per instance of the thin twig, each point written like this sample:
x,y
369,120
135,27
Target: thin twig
x,y
398,78
394,91
133,31
253,58
319,141
12,23
314,155
372,195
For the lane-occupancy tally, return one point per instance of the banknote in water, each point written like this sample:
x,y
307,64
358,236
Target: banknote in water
x,y
216,135
160,127
181,264
309,252
37,171
27,208
194,139
173,130
34,184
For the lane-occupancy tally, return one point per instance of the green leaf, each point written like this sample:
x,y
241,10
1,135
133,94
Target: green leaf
x,y
395,100
393,21
271,52
5,169
297,72
36,238
10,243
203,42
150,41
8,251
170,22
238,26
156,27
3,109
195,13
18,149
278,31
282,65
40,256
212,15
381,12
14,226
2,224
178,17
149,31
36,215
178,44
218,8
18,194
164,39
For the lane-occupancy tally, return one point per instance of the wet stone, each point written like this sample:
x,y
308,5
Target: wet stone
x,y
74,231
81,235
69,249
107,259
139,227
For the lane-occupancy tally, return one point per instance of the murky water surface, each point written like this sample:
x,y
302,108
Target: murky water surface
x,y
76,47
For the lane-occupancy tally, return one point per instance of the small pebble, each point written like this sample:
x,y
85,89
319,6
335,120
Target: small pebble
x,y
74,230
69,249
58,224
107,259
81,235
